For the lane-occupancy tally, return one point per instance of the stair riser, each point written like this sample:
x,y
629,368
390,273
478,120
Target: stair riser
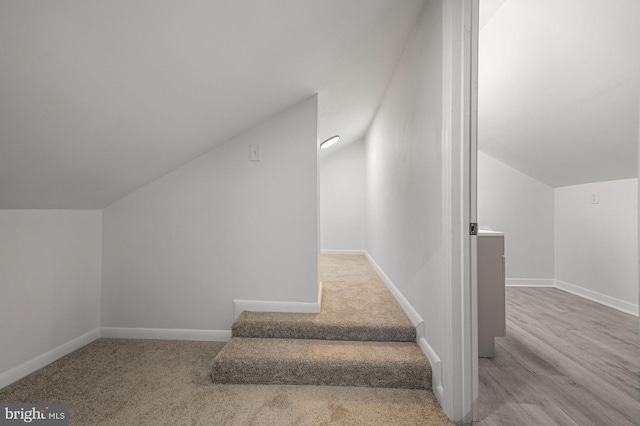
x,y
326,374
272,331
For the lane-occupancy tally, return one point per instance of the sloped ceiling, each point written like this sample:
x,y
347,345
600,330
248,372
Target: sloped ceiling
x,y
559,88
98,98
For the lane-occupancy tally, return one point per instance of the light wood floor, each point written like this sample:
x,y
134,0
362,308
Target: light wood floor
x,y
565,360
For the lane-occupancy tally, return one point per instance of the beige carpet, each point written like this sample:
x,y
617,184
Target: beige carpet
x,y
356,305
150,382
361,338
322,362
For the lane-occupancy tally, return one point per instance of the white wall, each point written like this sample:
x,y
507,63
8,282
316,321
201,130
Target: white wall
x,y
596,245
405,232
50,280
342,198
523,208
177,251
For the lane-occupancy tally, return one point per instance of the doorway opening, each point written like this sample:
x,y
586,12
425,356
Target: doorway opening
x,y
557,173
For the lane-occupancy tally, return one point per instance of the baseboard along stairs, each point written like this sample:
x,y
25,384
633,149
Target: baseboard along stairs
x,y
361,337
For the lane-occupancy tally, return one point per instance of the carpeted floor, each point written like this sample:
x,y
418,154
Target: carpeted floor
x,y
151,382
322,362
356,305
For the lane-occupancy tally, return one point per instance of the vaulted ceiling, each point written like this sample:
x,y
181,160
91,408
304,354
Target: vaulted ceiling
x,y
98,98
559,87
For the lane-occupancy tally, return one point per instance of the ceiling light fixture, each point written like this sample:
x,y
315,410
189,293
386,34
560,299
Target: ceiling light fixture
x,y
329,142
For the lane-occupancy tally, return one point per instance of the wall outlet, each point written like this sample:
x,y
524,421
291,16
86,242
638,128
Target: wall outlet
x,y
595,198
255,153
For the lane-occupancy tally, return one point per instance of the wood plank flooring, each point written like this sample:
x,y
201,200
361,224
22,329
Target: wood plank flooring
x,y
565,361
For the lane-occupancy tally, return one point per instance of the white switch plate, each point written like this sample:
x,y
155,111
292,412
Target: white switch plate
x,y
595,198
255,153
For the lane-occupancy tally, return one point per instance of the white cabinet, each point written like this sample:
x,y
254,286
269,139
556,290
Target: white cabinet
x,y
491,291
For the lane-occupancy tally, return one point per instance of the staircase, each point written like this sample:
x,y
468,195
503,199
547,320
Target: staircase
x,y
361,337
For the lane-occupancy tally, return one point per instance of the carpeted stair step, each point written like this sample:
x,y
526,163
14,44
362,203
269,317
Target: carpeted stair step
x,y
280,325
322,362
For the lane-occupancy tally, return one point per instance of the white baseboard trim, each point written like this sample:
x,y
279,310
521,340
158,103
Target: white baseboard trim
x,y
340,251
415,318
165,334
530,282
436,368
47,358
594,296
417,321
240,305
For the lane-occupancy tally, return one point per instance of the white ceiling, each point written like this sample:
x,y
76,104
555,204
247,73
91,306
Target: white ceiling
x,y
559,88
98,98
